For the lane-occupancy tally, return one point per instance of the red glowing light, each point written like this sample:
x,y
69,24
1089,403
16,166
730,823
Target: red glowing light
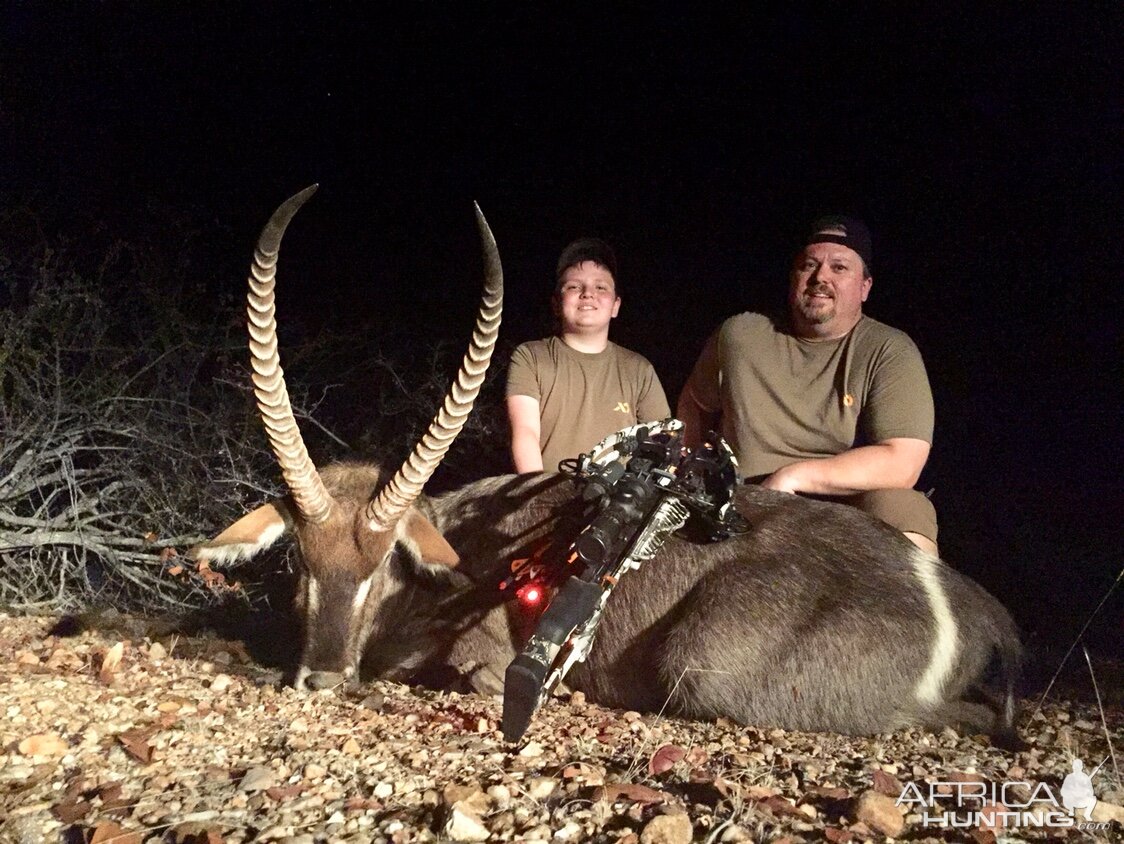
x,y
531,594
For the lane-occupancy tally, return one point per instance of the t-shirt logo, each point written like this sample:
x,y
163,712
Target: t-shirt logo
x,y
622,407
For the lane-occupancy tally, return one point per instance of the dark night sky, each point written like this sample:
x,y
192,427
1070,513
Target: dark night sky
x,y
983,150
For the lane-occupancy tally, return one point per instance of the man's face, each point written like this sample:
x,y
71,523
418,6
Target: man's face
x,y
587,298
827,290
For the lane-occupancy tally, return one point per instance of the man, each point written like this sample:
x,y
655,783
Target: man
x,y
568,392
826,401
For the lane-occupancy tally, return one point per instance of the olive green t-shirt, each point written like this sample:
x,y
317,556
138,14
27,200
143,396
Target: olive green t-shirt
x,y
584,397
784,399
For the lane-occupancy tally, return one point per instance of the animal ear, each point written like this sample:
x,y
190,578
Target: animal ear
x,y
254,532
426,542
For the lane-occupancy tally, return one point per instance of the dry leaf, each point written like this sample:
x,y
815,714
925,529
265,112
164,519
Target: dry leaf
x,y
887,784
664,759
175,570
213,579
71,811
281,793
108,831
110,792
112,799
151,536
362,804
838,836
167,554
111,662
43,744
136,744
629,791
832,792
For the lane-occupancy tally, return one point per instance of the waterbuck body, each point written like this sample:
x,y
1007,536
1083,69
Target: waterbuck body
x,y
820,617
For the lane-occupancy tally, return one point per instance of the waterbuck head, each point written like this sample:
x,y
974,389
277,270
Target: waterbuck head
x,y
351,528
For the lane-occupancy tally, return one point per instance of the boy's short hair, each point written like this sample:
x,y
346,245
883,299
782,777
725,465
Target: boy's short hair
x,y
586,249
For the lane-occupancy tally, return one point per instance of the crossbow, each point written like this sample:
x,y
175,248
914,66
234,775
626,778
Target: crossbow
x,y
639,486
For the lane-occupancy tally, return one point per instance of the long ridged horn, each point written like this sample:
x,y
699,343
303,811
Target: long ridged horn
x,y
312,499
406,485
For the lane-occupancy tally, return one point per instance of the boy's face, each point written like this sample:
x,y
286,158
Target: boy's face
x,y
586,299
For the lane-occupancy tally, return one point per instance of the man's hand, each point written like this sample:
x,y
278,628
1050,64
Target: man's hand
x,y
696,421
785,479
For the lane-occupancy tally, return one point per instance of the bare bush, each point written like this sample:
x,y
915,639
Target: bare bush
x,y
128,426
103,456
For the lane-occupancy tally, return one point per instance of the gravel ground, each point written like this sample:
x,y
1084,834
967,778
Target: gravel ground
x,y
113,735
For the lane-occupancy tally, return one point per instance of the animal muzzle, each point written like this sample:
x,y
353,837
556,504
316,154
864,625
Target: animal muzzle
x,y
319,680
334,632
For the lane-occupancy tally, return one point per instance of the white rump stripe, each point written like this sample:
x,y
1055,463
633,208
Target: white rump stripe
x,y
946,640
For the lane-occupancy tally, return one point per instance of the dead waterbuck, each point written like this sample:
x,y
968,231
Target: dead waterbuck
x,y
820,617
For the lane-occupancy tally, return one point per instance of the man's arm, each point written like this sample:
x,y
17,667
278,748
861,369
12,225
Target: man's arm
x,y
700,393
893,464
897,420
696,421
526,450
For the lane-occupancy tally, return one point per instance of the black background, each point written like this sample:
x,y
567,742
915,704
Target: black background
x,y
983,148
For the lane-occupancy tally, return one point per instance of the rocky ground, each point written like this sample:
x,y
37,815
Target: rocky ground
x,y
113,735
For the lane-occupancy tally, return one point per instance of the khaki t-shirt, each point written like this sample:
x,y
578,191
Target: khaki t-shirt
x,y
584,397
783,398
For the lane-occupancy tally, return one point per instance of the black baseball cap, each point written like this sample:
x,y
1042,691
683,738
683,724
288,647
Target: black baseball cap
x,y
848,231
